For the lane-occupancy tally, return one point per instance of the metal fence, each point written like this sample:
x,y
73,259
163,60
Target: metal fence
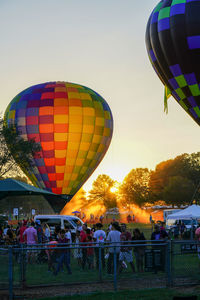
x,y
132,265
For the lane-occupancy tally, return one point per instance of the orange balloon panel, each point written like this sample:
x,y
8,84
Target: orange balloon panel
x,y
73,125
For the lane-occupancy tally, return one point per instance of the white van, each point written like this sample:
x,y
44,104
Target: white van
x,y
167,212
171,223
60,220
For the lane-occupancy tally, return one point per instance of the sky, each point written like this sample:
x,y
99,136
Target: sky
x,y
100,44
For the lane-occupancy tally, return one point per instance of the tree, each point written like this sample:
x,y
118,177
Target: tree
x,y
135,187
19,150
179,191
101,192
186,166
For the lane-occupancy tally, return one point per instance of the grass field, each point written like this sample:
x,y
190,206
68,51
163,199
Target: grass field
x,y
183,266
153,294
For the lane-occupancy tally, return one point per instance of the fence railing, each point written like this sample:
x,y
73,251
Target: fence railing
x,y
135,264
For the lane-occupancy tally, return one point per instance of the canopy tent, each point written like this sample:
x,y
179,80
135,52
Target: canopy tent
x,y
12,187
191,212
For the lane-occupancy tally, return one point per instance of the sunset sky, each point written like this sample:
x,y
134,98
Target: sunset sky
x,y
100,44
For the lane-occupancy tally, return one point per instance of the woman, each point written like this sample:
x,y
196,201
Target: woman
x,y
139,250
9,237
46,232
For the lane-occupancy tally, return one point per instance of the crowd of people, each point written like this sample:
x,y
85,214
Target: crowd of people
x,y
89,246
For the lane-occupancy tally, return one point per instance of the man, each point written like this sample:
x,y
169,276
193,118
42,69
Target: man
x,y
31,236
150,219
126,252
68,234
159,235
63,253
99,237
101,219
129,218
114,239
39,231
21,231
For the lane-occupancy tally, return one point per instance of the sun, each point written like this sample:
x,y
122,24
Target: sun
x,y
114,189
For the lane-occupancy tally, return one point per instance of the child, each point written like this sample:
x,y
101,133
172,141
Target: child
x,y
51,255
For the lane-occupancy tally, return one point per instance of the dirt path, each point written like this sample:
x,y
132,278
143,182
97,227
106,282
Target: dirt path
x,y
132,284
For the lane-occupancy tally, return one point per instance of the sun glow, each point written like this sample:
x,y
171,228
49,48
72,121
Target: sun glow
x,y
113,189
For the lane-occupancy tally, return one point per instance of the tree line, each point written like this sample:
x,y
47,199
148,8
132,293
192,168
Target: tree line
x,y
174,182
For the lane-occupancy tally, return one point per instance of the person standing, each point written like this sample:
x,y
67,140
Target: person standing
x,y
114,239
101,219
21,231
5,230
30,234
129,219
150,219
126,252
39,231
46,232
197,236
83,240
90,252
99,237
68,234
139,251
159,236
77,250
63,253
69,237
182,229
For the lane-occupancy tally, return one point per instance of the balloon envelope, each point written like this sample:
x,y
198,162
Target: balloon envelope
x,y
72,123
173,45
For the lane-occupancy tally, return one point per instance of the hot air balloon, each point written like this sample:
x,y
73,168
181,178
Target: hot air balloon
x,y
73,125
173,45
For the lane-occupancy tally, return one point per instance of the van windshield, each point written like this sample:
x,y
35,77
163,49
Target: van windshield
x,y
190,222
76,222
171,222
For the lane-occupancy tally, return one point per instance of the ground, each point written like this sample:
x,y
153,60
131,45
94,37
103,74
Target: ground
x,y
90,292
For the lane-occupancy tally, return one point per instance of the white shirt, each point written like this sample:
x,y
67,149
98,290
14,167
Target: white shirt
x,y
100,236
79,228
47,233
114,237
5,231
68,236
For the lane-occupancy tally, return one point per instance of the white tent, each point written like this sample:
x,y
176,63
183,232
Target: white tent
x,y
191,212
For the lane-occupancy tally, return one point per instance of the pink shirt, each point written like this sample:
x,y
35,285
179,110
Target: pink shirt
x,y
197,232
31,235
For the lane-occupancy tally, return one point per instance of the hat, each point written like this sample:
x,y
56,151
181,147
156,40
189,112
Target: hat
x,y
38,222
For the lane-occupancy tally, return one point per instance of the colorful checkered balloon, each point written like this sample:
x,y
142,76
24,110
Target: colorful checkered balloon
x,y
173,45
73,125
